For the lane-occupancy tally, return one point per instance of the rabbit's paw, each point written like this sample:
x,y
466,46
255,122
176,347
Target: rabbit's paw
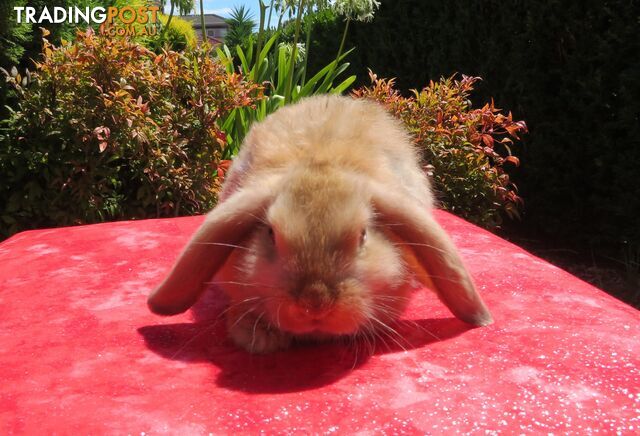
x,y
255,334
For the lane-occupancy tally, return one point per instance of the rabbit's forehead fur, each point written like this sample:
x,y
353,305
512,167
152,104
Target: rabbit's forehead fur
x,y
336,132
340,131
319,214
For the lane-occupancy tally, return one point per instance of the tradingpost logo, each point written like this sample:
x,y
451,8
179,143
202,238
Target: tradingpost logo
x,y
125,21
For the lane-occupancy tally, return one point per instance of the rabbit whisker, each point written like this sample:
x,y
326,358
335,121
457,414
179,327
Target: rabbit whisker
x,y
190,341
394,313
386,309
354,343
423,329
236,304
388,330
417,244
355,360
260,219
225,245
368,341
278,315
379,336
392,297
376,337
448,279
229,282
240,318
255,326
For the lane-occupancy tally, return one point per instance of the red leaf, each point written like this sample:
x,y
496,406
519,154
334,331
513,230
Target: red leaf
x,y
488,140
223,167
514,160
513,130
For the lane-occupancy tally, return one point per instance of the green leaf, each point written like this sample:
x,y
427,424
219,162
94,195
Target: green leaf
x,y
344,85
260,59
243,60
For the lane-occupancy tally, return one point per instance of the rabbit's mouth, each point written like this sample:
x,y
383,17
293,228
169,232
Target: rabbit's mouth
x,y
332,320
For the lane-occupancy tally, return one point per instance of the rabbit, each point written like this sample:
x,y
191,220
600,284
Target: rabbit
x,y
323,226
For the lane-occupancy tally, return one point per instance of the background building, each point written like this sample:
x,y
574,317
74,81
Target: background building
x,y
216,26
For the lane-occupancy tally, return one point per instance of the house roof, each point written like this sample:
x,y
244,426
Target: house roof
x,y
210,20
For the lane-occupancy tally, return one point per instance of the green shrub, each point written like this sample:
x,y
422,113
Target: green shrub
x,y
21,44
180,34
110,130
13,36
464,149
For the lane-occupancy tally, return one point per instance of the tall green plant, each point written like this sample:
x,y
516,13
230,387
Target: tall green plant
x,y
272,67
240,27
292,61
184,6
202,22
278,67
360,10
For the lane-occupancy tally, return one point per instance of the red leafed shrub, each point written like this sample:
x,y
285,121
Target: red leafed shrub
x,y
464,149
107,129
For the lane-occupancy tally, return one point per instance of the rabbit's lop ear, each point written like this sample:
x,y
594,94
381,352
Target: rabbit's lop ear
x,y
436,254
224,227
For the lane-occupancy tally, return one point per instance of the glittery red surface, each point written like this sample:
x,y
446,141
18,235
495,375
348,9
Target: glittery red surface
x,y
80,352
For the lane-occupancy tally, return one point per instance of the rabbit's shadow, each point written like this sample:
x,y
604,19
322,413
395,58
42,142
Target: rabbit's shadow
x,y
302,367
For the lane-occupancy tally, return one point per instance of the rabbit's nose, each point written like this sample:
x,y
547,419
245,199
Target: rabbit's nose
x,y
315,301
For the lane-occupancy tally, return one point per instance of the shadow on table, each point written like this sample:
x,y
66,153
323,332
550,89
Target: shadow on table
x,y
302,367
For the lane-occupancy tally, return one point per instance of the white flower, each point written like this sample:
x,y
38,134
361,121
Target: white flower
x,y
300,51
283,4
280,5
360,10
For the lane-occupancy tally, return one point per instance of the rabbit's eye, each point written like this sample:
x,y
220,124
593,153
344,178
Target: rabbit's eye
x,y
363,237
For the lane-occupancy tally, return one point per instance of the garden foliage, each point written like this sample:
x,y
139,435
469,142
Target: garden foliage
x,y
325,29
570,68
241,26
178,36
108,130
281,66
465,150
21,44
272,68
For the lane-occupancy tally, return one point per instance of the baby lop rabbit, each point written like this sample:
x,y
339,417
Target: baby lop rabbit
x,y
323,221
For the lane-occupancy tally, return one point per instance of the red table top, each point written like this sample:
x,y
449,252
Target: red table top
x,y
80,352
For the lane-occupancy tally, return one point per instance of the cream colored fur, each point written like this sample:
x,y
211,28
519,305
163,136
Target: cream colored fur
x,y
315,204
